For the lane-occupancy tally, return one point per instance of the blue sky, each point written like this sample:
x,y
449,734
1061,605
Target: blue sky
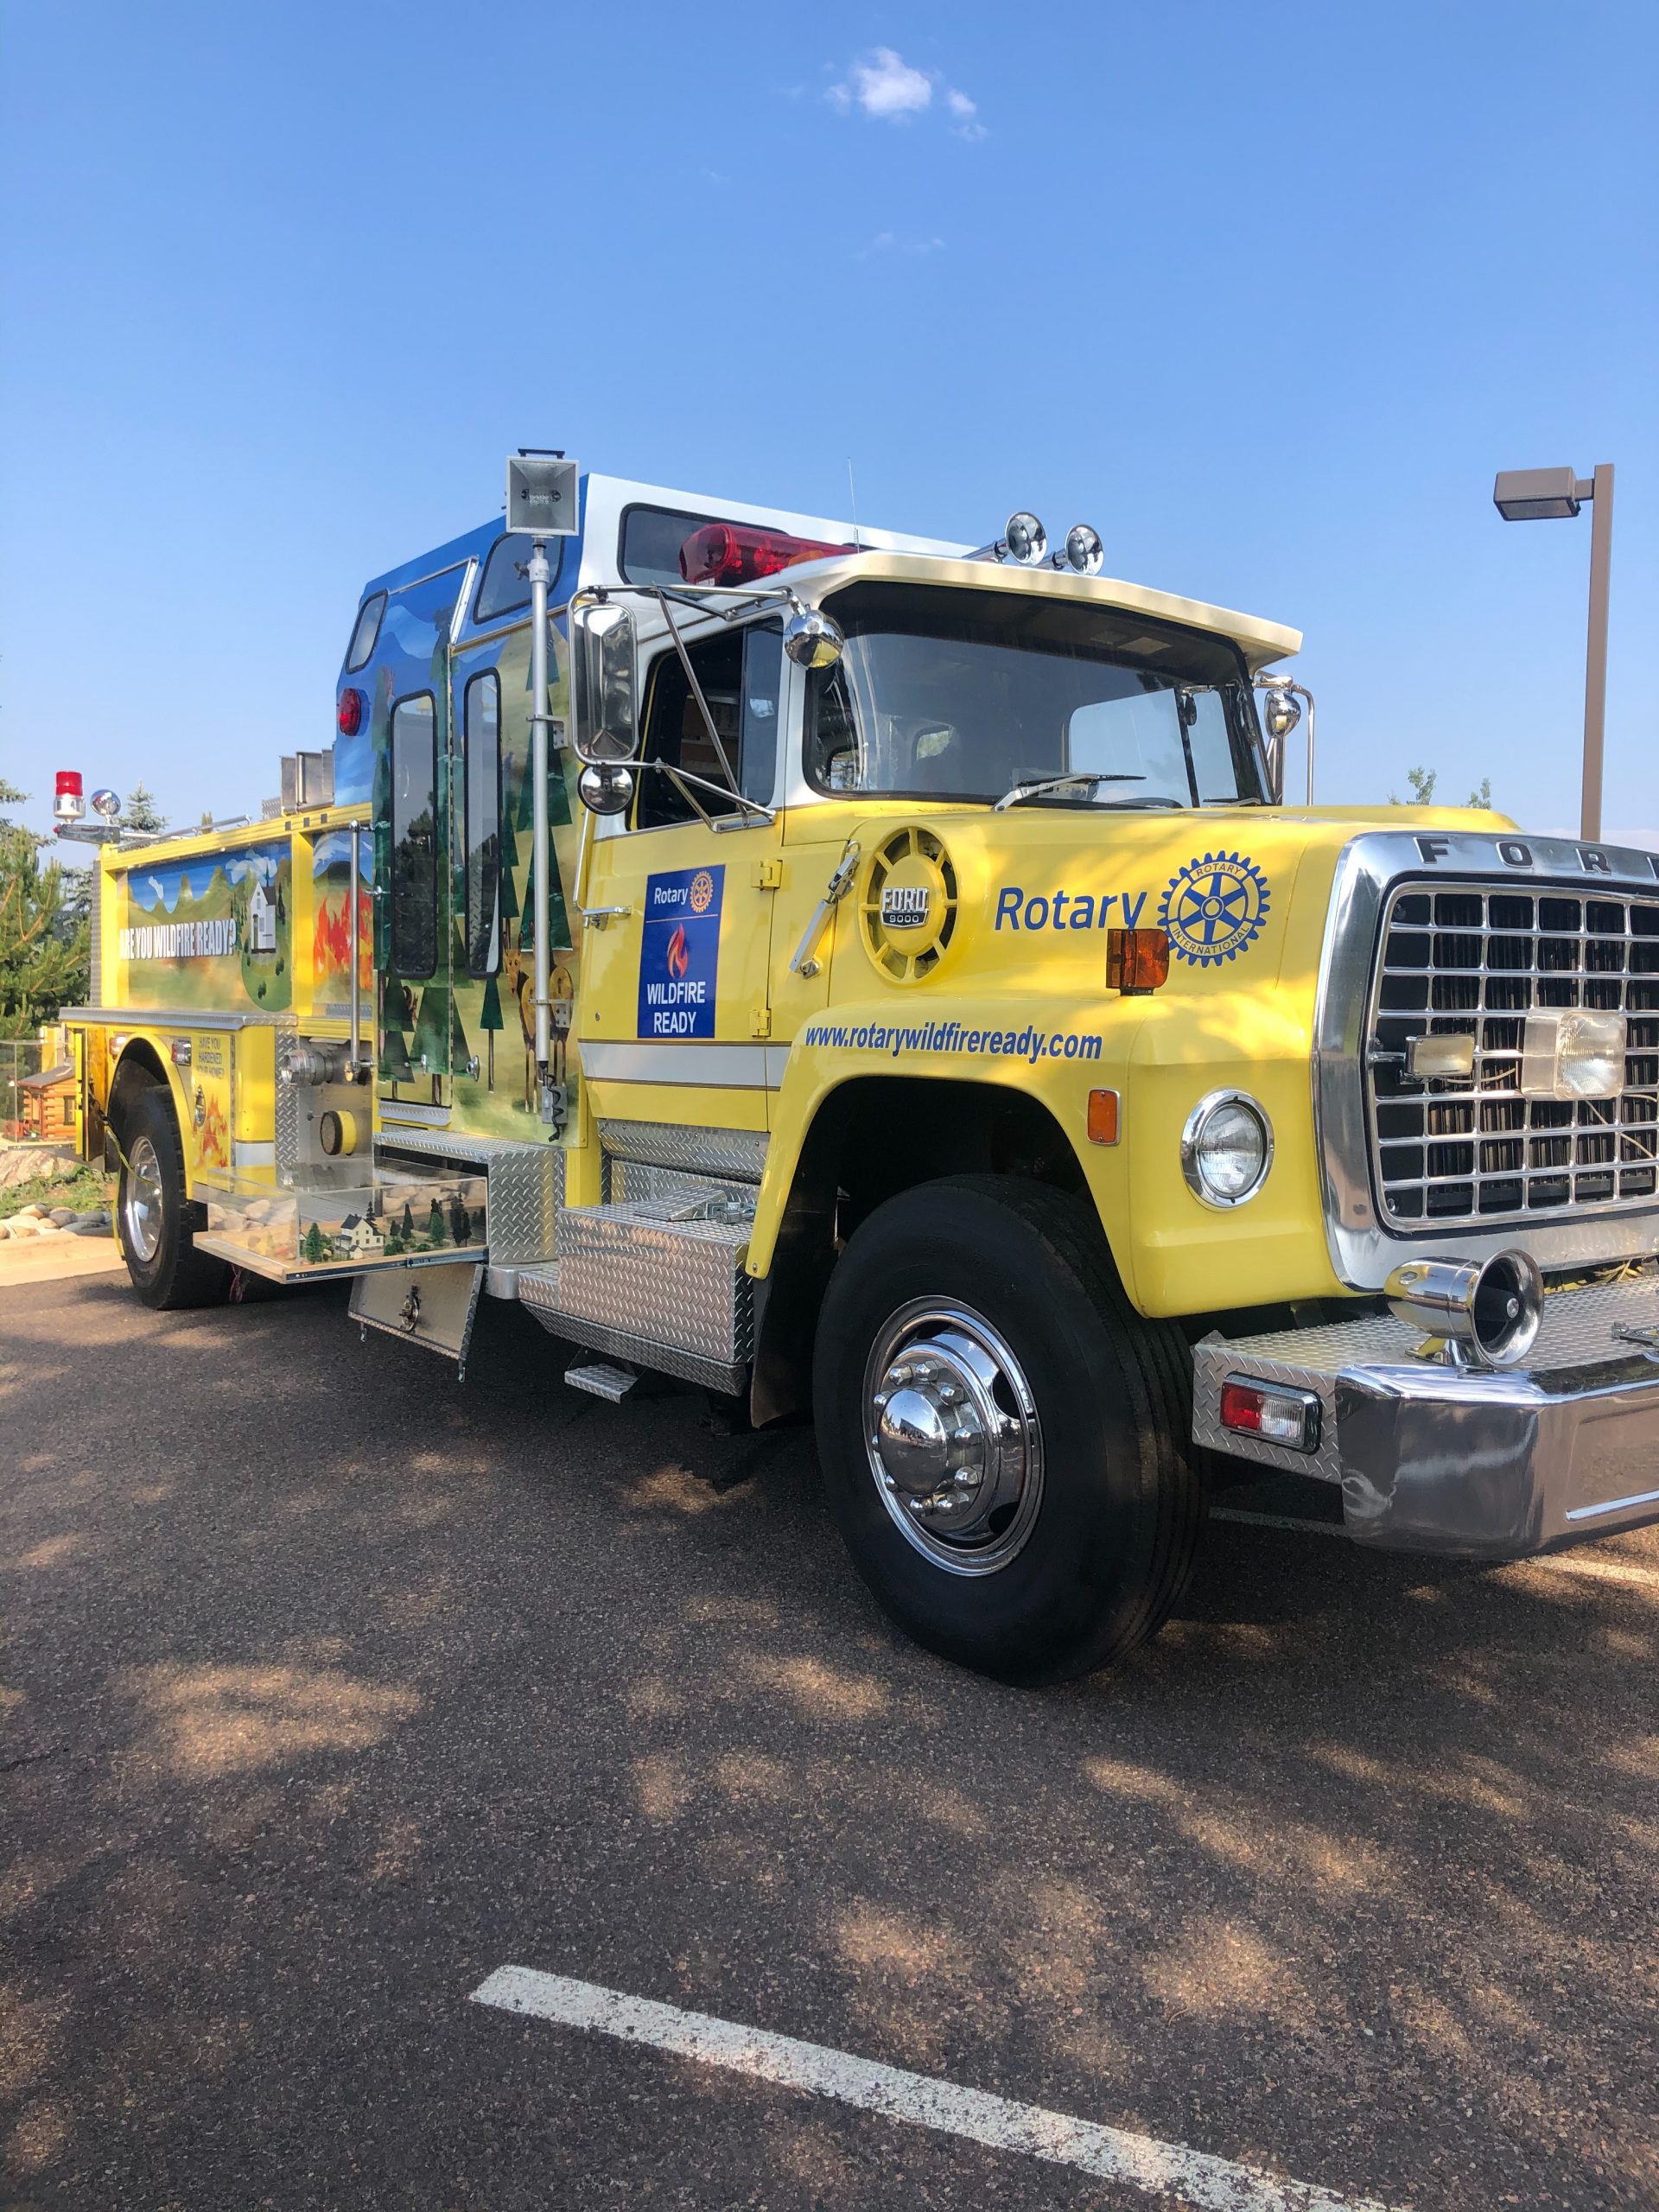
x,y
1267,292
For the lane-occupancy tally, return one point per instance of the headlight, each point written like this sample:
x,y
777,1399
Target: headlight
x,y
1573,1055
1226,1148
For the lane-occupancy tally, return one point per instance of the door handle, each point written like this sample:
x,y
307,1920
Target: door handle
x,y
804,962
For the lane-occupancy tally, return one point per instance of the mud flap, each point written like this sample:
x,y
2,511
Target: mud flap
x,y
434,1306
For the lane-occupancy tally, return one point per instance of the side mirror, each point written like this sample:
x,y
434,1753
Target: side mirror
x,y
604,705
813,638
1281,712
604,789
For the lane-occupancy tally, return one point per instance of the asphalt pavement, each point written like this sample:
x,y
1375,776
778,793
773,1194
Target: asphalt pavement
x,y
330,1687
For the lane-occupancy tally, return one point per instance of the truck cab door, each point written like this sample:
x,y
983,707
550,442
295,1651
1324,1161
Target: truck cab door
x,y
678,1018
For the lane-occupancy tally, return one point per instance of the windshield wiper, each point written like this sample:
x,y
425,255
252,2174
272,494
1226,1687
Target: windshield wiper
x,y
1059,783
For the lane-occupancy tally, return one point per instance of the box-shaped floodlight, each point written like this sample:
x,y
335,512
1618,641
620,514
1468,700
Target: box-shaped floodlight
x,y
1536,494
543,497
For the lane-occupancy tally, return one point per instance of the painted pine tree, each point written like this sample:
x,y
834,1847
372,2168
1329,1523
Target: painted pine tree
x,y
489,1021
395,1013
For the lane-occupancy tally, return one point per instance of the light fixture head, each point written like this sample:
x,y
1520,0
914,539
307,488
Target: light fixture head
x,y
1536,494
106,802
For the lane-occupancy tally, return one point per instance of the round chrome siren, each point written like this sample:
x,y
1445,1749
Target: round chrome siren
x,y
1084,550
1489,1309
1024,539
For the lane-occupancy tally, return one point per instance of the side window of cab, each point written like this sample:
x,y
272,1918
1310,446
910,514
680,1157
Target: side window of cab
x,y
740,673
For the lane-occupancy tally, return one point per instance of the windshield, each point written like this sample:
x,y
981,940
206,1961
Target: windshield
x,y
955,694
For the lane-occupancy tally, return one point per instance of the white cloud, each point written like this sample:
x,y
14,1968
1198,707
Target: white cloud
x,y
966,111
900,242
885,87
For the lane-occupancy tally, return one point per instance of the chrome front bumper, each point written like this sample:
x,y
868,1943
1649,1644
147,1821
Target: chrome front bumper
x,y
1493,1463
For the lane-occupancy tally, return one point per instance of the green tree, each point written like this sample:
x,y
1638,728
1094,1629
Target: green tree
x,y
44,940
313,1248
141,812
1422,782
436,1231
489,1021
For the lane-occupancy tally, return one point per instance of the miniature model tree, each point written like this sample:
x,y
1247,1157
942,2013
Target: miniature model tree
x,y
436,1231
314,1251
460,1221
406,1226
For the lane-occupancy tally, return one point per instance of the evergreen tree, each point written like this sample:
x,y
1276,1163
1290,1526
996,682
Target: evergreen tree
x,y
460,1221
436,1231
395,1013
313,1249
142,813
44,942
406,1226
489,1021
461,1052
431,1038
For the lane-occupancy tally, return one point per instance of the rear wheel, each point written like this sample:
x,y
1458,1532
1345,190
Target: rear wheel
x,y
152,1205
1002,1437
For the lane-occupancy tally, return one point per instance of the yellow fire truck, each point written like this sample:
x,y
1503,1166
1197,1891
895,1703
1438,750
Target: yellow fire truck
x,y
883,979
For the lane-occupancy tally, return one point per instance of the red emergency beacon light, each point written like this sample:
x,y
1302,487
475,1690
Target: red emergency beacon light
x,y
729,553
69,805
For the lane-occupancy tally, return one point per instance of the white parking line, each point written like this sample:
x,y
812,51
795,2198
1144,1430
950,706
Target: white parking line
x,y
1139,2162
1585,1563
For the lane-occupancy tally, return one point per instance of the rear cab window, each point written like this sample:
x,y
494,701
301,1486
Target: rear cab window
x,y
366,630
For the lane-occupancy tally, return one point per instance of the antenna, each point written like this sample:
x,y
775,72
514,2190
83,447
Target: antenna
x,y
852,493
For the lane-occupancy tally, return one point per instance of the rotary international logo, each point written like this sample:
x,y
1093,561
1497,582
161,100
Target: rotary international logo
x,y
702,890
1214,909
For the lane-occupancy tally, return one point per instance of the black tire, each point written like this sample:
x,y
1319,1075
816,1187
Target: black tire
x,y
1112,1535
152,1213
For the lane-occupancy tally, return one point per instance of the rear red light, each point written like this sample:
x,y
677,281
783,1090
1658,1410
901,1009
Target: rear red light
x,y
1241,1408
350,715
1137,960
729,553
69,780
1278,1413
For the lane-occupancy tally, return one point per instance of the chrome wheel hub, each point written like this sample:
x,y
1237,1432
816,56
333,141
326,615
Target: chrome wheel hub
x,y
950,1427
140,1204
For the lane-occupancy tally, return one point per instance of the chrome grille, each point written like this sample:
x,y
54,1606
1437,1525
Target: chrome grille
x,y
1476,959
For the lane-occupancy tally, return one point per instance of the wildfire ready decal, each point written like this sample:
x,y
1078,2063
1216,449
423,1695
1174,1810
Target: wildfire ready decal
x,y
679,952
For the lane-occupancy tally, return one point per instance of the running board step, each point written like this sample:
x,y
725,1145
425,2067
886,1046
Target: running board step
x,y
601,1380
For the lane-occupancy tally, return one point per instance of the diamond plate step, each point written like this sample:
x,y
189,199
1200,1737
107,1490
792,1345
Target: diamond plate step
x,y
601,1380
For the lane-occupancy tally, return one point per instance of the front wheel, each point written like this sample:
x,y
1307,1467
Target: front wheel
x,y
166,1269
1002,1438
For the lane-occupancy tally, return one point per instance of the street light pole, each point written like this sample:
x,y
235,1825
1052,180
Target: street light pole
x,y
1600,492
1550,495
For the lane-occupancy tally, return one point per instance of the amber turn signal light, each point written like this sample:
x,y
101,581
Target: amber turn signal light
x,y
1137,960
1103,1117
